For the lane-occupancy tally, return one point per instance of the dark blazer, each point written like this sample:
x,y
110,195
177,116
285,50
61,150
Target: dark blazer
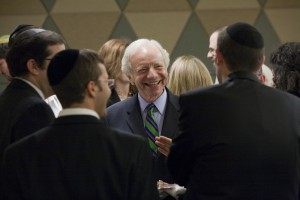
x,y
78,157
114,98
22,112
126,115
238,140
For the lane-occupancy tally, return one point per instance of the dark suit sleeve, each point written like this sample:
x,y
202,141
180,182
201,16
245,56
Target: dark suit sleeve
x,y
34,118
142,175
180,159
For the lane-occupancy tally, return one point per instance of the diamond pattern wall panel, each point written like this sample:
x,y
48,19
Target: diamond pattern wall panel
x,y
270,37
181,26
194,41
218,13
21,7
152,24
86,30
86,6
284,23
157,5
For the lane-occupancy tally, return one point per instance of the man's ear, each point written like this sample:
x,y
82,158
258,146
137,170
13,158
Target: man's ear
x,y
262,78
130,79
32,67
92,88
218,57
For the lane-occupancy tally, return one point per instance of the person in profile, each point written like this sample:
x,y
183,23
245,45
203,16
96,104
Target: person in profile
x,y
79,157
22,106
9,42
239,139
112,52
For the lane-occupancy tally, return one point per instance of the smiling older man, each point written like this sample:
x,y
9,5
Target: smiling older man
x,y
153,111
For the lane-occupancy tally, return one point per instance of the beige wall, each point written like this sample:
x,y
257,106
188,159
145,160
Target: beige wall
x,y
181,26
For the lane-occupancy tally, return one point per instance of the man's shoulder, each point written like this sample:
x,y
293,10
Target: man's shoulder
x,y
123,105
124,134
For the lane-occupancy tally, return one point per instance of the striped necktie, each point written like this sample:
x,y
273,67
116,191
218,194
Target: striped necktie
x,y
151,128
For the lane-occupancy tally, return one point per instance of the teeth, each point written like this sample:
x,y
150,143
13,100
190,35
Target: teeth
x,y
153,83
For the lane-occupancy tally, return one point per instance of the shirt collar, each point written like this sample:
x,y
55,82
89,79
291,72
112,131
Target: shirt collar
x,y
78,111
159,103
33,86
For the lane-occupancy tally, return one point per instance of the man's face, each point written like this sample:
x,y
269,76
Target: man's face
x,y
212,54
104,92
44,83
149,73
212,46
4,69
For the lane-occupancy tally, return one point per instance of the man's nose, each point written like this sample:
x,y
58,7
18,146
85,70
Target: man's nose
x,y
152,72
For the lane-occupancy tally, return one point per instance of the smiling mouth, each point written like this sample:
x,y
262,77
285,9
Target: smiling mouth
x,y
153,83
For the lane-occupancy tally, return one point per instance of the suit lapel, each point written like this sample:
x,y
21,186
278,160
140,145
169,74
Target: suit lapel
x,y
169,129
134,120
170,126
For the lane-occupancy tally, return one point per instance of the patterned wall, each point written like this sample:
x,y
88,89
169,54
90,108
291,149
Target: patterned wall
x,y
181,26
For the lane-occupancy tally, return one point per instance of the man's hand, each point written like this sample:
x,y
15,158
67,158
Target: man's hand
x,y
166,189
164,144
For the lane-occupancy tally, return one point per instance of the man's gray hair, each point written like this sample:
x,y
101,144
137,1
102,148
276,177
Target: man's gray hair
x,y
134,46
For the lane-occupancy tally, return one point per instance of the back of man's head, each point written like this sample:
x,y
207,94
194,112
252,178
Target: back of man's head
x,y
242,47
17,31
31,43
70,71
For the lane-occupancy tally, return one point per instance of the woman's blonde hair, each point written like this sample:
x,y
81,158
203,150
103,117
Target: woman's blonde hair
x,y
188,73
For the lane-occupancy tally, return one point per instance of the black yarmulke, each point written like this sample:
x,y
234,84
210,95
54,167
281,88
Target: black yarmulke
x,y
17,31
245,35
61,64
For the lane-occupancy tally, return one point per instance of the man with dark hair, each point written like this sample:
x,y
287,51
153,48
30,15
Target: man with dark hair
x,y
22,106
239,139
285,61
79,157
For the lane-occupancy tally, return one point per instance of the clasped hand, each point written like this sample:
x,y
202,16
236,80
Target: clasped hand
x,y
163,143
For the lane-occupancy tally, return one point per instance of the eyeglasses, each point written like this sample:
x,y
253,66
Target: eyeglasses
x,y
110,82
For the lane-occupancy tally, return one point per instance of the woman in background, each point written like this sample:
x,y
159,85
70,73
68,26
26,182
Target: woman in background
x,y
112,52
188,73
285,61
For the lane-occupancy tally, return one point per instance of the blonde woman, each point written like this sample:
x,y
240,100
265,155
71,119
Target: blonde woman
x,y
112,52
188,73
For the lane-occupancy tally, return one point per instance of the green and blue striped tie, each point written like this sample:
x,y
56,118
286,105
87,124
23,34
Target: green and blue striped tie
x,y
151,128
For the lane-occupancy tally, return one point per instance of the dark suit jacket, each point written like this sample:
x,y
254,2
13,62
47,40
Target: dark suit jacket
x,y
78,157
22,112
238,140
114,98
126,115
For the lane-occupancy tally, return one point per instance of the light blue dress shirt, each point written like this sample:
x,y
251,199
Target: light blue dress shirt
x,y
159,111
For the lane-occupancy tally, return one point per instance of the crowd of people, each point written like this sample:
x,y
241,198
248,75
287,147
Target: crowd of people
x,y
119,124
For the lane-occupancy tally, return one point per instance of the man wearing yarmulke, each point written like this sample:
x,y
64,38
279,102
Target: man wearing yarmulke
x,y
22,106
78,156
239,139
